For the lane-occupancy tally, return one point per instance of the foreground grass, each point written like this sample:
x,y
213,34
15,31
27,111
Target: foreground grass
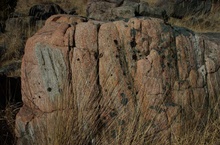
x,y
73,126
70,131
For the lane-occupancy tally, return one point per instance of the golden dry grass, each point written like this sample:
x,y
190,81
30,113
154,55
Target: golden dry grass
x,y
201,23
68,127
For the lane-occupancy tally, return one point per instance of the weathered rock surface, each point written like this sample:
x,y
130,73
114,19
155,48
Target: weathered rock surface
x,y
16,23
108,80
107,10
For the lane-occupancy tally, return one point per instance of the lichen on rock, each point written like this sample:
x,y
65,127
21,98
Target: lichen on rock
x,y
139,72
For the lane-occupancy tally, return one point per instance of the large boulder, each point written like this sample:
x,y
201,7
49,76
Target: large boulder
x,y
115,83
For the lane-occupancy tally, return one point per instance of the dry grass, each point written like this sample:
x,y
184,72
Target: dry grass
x,y
7,121
198,24
70,126
70,131
201,23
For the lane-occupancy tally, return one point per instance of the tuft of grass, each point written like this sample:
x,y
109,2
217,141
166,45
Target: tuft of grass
x,y
7,123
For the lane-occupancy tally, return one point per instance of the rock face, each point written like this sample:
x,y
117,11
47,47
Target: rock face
x,y
21,19
106,10
102,83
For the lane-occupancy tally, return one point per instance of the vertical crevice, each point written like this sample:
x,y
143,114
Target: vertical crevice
x,y
100,94
175,53
207,100
69,60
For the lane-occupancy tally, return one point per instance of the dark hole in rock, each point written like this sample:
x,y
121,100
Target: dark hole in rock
x,y
147,53
133,43
49,89
123,94
113,114
10,99
116,42
124,101
118,48
134,57
39,97
96,55
78,59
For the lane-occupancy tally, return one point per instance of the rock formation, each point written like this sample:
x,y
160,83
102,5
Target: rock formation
x,y
103,82
21,19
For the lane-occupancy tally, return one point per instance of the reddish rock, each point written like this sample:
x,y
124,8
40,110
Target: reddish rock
x,y
112,80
